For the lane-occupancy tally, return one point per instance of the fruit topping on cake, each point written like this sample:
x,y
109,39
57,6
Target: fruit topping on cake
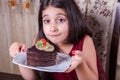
x,y
42,44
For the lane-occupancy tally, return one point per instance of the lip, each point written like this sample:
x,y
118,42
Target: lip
x,y
54,35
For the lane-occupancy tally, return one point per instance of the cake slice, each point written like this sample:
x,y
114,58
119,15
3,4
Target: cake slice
x,y
41,54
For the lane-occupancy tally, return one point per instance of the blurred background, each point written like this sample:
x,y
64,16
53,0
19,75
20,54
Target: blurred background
x,y
19,23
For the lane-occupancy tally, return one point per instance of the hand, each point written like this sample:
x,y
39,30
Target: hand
x,y
76,60
16,48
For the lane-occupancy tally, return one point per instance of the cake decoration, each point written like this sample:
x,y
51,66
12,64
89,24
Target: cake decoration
x,y
42,44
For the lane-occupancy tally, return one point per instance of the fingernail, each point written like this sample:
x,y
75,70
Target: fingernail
x,y
73,52
22,50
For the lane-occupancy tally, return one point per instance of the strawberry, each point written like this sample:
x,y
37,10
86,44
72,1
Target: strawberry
x,y
43,41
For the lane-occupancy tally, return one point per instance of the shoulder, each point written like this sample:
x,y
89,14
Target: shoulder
x,y
89,48
88,42
89,53
88,38
84,42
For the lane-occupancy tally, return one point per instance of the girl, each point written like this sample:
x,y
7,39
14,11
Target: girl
x,y
62,24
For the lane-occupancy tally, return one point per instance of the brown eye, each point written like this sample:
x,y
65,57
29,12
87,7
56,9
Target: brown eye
x,y
46,21
60,20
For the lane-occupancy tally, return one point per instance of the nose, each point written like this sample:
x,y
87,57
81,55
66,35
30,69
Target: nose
x,y
53,27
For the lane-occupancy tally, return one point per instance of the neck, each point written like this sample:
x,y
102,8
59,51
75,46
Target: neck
x,y
65,48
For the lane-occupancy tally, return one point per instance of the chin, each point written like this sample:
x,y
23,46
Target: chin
x,y
55,40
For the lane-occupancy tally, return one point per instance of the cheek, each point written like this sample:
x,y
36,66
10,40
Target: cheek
x,y
44,31
65,32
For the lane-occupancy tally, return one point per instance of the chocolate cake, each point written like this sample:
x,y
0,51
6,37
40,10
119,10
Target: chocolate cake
x,y
41,57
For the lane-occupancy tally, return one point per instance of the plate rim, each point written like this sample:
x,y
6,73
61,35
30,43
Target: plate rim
x,y
40,68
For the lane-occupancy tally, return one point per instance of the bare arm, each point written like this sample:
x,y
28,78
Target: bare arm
x,y
88,68
27,74
84,62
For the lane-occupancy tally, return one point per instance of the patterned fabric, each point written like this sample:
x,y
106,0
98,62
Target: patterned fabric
x,y
100,15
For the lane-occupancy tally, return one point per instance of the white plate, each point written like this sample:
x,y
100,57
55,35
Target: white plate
x,y
62,63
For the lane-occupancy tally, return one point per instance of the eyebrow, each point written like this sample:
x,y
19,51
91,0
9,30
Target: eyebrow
x,y
57,14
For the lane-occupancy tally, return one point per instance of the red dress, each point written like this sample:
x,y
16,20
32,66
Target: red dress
x,y
72,75
62,76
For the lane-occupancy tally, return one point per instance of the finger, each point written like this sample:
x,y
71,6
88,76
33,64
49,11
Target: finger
x,y
76,52
23,48
12,53
14,49
68,70
17,47
71,68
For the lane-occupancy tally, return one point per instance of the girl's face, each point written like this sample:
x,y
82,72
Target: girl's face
x,y
55,25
